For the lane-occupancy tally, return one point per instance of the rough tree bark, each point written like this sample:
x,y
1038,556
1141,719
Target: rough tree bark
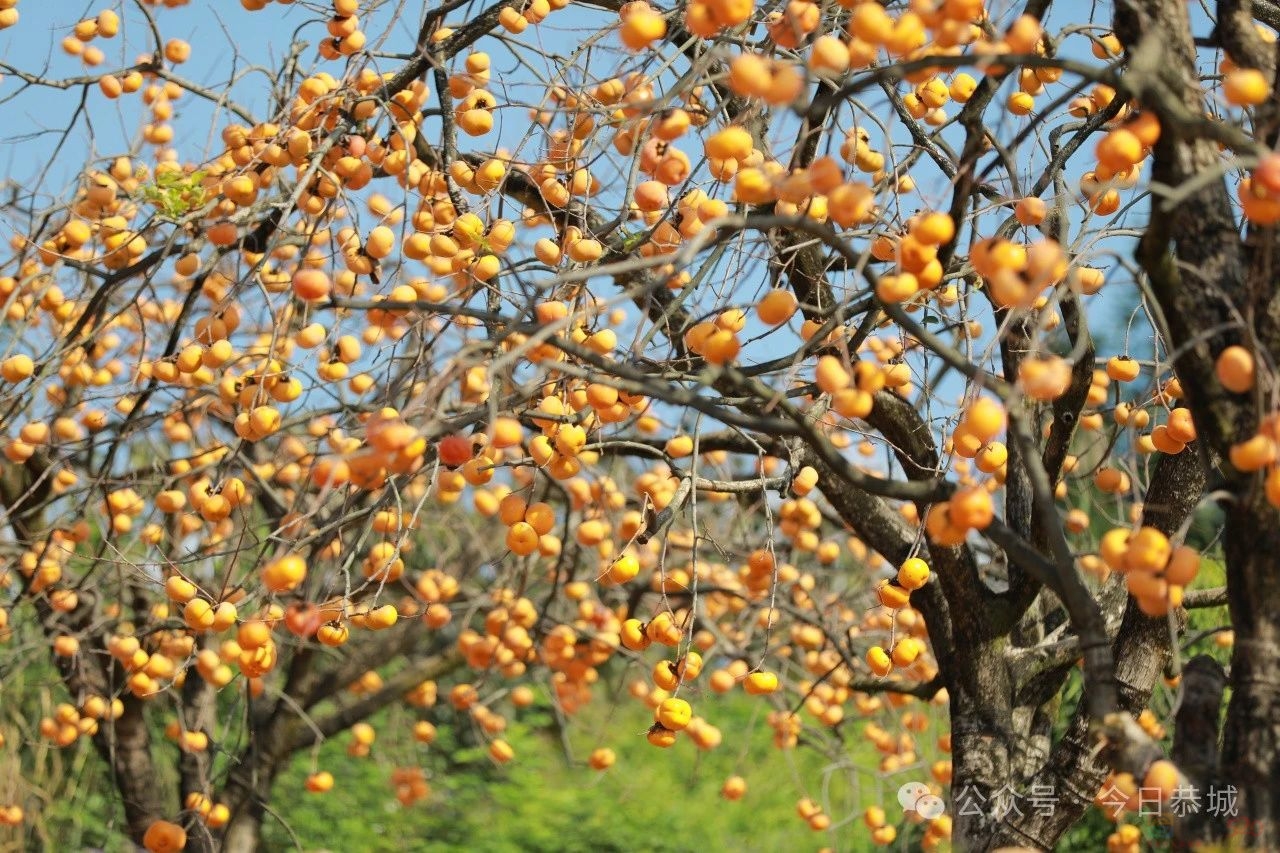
x,y
1073,771
1215,290
1195,740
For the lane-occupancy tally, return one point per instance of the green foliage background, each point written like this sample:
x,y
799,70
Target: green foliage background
x,y
548,800
545,800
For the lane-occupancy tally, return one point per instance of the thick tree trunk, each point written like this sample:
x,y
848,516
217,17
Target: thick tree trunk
x,y
1195,741
1073,774
1251,742
1216,290
981,736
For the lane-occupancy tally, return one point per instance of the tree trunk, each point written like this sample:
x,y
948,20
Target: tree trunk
x,y
1216,290
1195,741
981,735
1073,774
244,833
1251,743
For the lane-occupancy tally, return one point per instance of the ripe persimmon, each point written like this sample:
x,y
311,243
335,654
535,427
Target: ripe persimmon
x,y
163,836
1245,87
311,285
1235,369
879,661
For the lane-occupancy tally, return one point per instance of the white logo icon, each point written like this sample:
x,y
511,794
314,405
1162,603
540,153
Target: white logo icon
x,y
916,797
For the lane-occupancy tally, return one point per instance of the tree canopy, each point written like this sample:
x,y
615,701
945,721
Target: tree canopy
x,y
373,368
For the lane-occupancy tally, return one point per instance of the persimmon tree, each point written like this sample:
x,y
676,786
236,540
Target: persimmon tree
x,y
475,348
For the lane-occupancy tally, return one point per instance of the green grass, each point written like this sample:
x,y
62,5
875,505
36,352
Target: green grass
x,y
548,800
